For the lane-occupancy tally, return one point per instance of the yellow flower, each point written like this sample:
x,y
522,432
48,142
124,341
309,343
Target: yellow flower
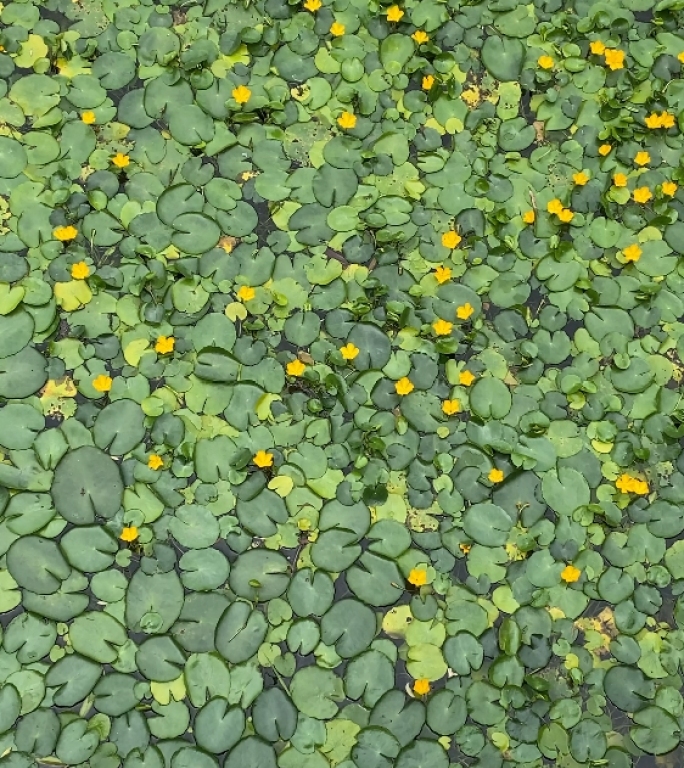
x,y
495,475
80,270
628,484
337,29
313,5
545,62
529,216
428,82
597,47
667,120
347,120
669,188
566,215
120,160
295,368
417,577
404,386
263,459
465,548
88,117
242,94
632,252
422,686
102,383
420,37
570,574
680,57
604,149
164,344
466,378
450,407
619,180
653,121
642,195
442,274
394,13
65,233
615,59
442,327
580,178
451,239
349,351
555,206
246,293
464,311
642,158
155,462
130,533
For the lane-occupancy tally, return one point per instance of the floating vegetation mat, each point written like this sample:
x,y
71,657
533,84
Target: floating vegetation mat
x,y
341,413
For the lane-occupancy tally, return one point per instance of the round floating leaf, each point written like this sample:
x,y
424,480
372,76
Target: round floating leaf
x,y
119,427
503,57
490,398
423,754
375,748
260,575
218,726
252,752
90,549
37,564
350,626
22,374
315,692
153,602
10,707
656,731
19,425
240,632
488,524
87,484
97,636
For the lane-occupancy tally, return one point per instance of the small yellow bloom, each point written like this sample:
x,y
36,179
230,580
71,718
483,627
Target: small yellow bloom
x,y
628,484
570,574
130,533
545,62
417,577
640,487
102,383
451,239
65,233
615,59
642,158
566,215
349,351
420,36
642,195
495,475
347,120
164,344
422,686
443,274
667,120
669,188
404,386
466,378
450,407
604,149
263,459
529,216
580,178
337,29
394,13
442,327
246,293
653,121
597,47
555,206
464,311
680,57
120,160
242,94
80,270
295,368
632,252
465,548
155,462
88,117
619,180
313,5
428,82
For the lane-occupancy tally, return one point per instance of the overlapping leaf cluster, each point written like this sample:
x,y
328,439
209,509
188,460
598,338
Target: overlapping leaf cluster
x,y
340,383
